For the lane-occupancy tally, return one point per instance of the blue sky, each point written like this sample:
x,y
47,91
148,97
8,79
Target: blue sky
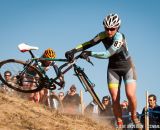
x,y
63,24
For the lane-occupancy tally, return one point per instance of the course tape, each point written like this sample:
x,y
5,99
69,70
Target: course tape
x,y
128,116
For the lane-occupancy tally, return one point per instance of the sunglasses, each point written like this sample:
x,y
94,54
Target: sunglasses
x,y
110,29
72,90
7,75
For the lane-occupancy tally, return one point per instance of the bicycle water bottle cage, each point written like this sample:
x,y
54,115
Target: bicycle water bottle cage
x,y
24,47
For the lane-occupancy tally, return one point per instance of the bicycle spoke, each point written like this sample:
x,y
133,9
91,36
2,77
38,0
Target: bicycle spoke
x,y
23,79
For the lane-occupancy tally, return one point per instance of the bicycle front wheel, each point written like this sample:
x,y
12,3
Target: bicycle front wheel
x,y
24,78
55,102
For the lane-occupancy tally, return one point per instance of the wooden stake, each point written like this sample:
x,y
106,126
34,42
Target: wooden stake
x,y
82,104
146,113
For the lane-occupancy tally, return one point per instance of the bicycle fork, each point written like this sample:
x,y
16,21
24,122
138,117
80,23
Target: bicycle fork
x,y
87,85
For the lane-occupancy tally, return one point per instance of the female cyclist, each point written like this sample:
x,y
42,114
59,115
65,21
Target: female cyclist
x,y
120,64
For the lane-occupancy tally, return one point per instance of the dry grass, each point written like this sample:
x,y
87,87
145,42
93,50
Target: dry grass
x,y
20,114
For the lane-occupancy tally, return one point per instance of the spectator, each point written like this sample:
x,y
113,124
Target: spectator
x,y
106,101
8,78
61,96
92,109
154,113
125,113
60,103
52,100
35,97
108,111
71,101
7,75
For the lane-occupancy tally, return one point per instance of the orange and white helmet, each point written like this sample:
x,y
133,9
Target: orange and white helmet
x,y
112,21
49,53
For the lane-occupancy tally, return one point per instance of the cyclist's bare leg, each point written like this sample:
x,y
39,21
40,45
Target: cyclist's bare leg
x,y
115,94
131,95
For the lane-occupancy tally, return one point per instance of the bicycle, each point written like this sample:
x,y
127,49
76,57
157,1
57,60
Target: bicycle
x,y
83,78
30,72
30,75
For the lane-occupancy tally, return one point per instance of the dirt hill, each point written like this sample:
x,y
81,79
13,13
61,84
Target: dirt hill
x,y
19,114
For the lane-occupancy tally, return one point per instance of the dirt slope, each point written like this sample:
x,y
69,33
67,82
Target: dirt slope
x,y
20,114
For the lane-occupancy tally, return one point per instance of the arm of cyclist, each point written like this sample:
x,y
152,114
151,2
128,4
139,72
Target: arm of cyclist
x,y
97,39
103,55
117,43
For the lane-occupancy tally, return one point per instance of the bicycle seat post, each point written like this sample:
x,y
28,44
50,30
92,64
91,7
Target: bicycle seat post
x,y
32,55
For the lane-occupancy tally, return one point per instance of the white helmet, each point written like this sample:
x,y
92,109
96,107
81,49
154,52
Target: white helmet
x,y
112,21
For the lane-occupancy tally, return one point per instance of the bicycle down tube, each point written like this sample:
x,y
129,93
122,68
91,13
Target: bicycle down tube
x,y
89,86
86,83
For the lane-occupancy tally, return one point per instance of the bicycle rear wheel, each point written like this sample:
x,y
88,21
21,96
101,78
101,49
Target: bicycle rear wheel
x,y
27,79
89,87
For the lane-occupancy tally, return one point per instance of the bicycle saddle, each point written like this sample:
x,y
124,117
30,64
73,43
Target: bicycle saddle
x,y
24,47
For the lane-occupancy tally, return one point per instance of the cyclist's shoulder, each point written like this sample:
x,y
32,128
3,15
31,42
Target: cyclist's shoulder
x,y
102,35
119,35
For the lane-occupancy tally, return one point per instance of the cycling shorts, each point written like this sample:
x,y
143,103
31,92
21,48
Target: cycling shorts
x,y
115,76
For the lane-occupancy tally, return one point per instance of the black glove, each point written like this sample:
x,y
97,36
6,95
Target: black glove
x,y
85,54
70,54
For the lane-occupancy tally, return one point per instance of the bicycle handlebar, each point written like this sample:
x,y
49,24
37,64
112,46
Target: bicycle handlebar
x,y
61,72
70,64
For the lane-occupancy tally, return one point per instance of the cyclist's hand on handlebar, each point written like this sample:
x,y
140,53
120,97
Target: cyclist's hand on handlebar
x,y
70,54
85,54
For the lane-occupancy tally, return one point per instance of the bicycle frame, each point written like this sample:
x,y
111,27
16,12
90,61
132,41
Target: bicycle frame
x,y
83,78
35,61
45,81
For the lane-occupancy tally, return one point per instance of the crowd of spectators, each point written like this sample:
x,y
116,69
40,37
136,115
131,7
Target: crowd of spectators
x,y
71,102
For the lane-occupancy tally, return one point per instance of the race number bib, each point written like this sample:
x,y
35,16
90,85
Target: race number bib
x,y
117,44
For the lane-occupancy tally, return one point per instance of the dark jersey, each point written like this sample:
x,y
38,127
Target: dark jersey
x,y
71,100
154,115
116,49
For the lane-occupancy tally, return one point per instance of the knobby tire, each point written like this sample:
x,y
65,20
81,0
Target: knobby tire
x,y
15,67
